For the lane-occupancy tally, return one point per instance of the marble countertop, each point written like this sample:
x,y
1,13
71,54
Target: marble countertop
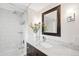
x,y
55,50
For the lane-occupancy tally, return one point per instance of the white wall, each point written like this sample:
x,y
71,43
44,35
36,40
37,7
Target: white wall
x,y
10,37
69,30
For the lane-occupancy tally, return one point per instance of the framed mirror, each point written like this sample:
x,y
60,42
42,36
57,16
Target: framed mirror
x,y
51,22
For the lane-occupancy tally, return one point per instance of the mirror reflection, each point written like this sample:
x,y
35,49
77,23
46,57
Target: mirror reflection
x,y
50,20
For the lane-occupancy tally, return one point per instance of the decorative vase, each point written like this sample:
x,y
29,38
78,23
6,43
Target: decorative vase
x,y
37,38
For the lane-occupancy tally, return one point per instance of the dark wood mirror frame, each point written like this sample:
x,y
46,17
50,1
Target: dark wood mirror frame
x,y
58,21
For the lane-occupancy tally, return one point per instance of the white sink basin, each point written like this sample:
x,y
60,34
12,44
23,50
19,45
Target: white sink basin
x,y
46,45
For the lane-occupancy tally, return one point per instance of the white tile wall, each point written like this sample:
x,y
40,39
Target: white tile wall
x,y
10,39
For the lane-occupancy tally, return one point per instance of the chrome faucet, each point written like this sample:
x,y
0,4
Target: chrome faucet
x,y
44,39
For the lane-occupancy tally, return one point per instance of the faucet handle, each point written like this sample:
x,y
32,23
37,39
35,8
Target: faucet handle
x,y
23,41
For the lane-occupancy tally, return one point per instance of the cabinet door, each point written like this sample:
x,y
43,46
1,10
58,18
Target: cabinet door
x,y
32,51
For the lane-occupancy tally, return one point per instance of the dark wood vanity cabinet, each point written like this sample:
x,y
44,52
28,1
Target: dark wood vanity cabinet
x,y
32,51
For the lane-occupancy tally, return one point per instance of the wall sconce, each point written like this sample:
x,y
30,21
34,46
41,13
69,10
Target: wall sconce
x,y
71,15
71,18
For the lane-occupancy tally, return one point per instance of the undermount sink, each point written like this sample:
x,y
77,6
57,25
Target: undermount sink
x,y
46,45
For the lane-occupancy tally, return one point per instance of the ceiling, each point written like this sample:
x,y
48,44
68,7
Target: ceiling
x,y
23,6
38,6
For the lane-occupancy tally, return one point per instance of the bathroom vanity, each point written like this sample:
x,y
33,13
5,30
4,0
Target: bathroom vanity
x,y
56,48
